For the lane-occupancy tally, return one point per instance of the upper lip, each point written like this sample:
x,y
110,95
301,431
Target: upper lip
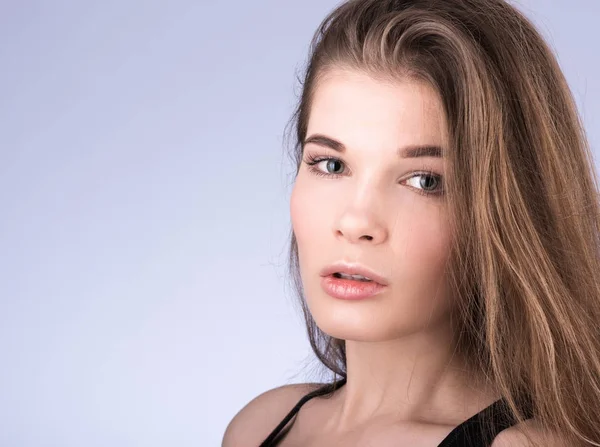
x,y
353,269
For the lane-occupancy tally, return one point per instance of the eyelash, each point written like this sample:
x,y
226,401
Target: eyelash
x,y
313,160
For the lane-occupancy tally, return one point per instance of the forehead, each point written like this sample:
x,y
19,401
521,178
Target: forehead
x,y
368,112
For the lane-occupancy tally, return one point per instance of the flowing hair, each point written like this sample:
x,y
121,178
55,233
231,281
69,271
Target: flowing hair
x,y
523,203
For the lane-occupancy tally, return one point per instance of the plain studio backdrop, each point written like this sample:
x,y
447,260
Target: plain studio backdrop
x,y
144,187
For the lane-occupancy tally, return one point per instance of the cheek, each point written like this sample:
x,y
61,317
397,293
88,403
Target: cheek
x,y
309,213
420,267
423,247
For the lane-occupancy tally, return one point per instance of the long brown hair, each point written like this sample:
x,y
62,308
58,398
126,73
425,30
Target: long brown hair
x,y
524,201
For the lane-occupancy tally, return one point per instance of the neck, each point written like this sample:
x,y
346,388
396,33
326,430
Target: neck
x,y
418,377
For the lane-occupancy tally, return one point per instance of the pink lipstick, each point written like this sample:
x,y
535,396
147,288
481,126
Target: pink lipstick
x,y
351,281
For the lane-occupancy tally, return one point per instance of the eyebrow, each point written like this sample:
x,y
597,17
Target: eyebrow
x,y
410,151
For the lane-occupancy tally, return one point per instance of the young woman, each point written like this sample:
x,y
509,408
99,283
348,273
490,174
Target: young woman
x,y
445,239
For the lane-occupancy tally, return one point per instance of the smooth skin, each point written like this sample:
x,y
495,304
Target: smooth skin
x,y
359,198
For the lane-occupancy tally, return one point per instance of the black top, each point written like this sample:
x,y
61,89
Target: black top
x,y
477,431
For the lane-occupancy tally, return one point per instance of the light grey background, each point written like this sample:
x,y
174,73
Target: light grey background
x,y
144,192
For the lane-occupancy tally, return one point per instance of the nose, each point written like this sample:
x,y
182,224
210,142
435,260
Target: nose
x,y
359,225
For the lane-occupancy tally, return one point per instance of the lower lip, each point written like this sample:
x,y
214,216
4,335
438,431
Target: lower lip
x,y
347,289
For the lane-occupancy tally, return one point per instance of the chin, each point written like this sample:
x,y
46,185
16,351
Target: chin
x,y
347,320
357,333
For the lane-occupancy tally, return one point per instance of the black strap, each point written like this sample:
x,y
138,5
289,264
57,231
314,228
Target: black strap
x,y
318,392
483,427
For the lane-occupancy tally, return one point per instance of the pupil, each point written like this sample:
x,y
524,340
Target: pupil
x,y
426,181
332,163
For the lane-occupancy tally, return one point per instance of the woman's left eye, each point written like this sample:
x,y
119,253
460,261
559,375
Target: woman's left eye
x,y
430,183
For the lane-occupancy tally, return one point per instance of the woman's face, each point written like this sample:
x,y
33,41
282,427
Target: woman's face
x,y
365,203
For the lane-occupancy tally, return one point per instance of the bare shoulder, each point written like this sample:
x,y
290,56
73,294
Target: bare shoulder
x,y
253,423
513,437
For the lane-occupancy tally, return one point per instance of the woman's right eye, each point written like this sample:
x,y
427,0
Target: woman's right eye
x,y
329,163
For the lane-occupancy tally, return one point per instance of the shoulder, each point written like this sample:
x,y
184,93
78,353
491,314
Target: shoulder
x,y
253,423
514,437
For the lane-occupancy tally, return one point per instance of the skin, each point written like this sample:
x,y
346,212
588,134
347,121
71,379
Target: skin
x,y
371,208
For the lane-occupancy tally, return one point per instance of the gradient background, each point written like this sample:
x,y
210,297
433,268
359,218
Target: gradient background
x,y
144,188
